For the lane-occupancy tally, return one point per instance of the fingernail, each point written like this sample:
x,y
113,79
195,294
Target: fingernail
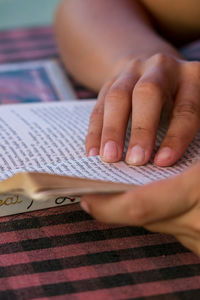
x,y
164,154
110,153
85,206
136,156
93,152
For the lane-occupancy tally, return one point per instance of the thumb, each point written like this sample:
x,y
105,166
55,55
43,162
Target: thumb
x,y
146,204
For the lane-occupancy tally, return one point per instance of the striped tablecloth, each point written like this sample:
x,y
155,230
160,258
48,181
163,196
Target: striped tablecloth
x,y
62,253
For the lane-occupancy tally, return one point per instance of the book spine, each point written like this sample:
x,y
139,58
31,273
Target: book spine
x,y
16,204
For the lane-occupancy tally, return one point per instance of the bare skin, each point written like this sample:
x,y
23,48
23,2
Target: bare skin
x,y
177,19
124,49
112,46
169,206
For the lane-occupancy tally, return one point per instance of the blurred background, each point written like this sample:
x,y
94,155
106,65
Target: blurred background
x,y
26,13
27,36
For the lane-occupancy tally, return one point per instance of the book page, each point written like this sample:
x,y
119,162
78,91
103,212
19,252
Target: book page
x,y
36,135
50,138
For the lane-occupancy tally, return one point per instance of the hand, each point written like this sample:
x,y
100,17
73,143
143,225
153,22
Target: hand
x,y
169,206
143,88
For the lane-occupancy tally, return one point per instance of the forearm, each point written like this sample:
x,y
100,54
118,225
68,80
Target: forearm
x,y
95,35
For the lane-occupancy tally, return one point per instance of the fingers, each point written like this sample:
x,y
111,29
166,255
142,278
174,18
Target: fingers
x,y
117,109
93,138
144,87
150,93
185,119
148,204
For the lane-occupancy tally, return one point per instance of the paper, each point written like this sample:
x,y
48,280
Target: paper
x,y
50,138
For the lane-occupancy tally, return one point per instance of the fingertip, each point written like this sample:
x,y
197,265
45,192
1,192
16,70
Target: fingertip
x,y
165,157
111,152
96,206
137,156
84,205
93,152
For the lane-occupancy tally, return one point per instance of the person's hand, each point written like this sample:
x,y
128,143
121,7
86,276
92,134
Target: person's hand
x,y
143,88
169,206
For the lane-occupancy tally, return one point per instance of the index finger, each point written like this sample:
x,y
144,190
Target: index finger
x,y
93,138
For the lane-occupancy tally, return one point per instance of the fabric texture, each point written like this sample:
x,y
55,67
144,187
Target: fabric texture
x,y
62,253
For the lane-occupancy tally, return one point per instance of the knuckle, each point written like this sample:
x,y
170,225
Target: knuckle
x,y
111,132
161,59
138,217
139,130
171,139
138,214
94,132
89,140
136,63
97,111
137,60
90,136
193,66
186,110
149,87
118,92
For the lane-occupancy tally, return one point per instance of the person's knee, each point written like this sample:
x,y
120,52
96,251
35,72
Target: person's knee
x,y
59,14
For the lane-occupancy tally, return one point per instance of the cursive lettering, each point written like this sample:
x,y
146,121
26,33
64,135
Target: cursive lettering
x,y
61,200
10,200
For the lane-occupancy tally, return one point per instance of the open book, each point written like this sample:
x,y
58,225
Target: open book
x,y
49,138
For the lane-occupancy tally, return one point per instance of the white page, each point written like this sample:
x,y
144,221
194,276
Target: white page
x,y
33,135
50,137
